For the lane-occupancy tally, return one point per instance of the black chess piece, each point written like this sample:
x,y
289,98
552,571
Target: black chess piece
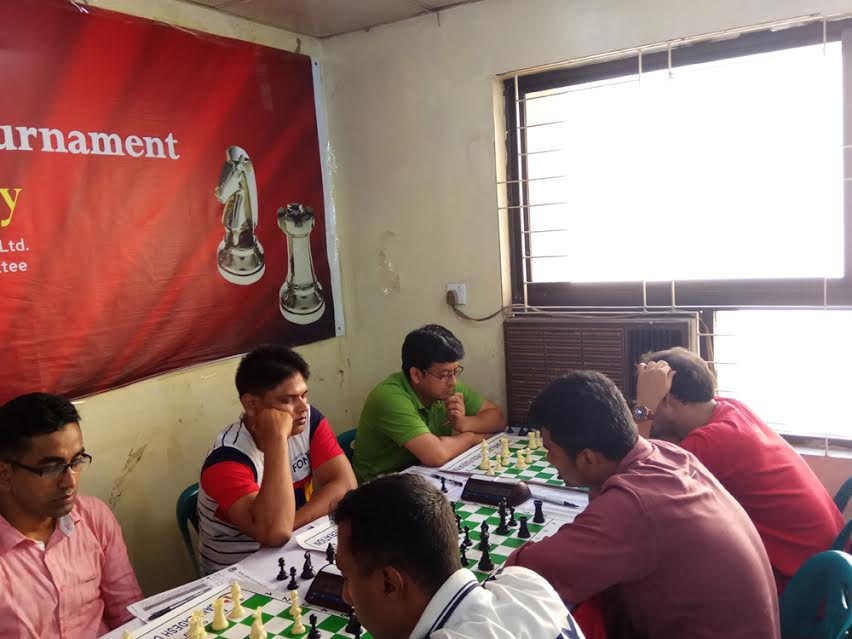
x,y
467,541
512,521
353,625
293,585
485,563
503,528
314,633
483,528
329,553
509,430
524,531
538,518
282,573
464,560
444,485
458,522
483,541
308,567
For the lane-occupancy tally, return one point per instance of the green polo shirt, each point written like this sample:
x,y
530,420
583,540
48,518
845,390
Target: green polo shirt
x,y
392,415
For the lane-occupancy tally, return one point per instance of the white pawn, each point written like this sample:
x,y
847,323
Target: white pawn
x,y
257,629
498,467
528,454
483,449
237,611
294,603
490,471
522,464
220,622
298,627
126,635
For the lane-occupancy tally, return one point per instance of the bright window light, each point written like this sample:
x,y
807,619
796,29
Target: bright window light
x,y
724,170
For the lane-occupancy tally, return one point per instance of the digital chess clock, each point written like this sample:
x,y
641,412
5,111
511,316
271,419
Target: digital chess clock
x,y
486,490
326,590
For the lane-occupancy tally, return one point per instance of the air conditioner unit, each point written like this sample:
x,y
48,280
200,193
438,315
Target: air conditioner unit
x,y
541,348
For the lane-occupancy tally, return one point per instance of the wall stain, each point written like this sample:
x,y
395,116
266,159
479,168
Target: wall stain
x,y
120,483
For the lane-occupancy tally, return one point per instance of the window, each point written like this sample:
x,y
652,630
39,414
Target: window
x,y
714,176
790,367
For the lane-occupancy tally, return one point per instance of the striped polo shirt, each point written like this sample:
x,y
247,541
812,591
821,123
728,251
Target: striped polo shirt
x,y
234,468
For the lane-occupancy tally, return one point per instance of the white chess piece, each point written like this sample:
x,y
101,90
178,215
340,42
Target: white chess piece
x,y
126,635
220,622
504,441
483,448
237,611
498,467
294,603
257,629
522,464
196,621
490,471
298,627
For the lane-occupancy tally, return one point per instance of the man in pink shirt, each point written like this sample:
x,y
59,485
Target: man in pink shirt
x,y
791,509
660,533
64,570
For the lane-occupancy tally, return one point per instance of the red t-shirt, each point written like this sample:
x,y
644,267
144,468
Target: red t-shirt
x,y
233,476
790,508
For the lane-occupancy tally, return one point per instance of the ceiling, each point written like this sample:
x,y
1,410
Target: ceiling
x,y
324,18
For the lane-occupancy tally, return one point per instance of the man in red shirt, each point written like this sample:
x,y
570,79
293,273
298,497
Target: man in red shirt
x,y
257,483
790,508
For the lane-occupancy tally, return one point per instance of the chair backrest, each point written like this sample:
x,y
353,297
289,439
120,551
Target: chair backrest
x,y
843,495
842,541
814,604
346,440
187,513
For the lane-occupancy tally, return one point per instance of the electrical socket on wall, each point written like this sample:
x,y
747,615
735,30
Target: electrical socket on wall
x,y
460,291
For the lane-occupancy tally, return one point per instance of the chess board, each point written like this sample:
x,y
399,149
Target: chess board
x,y
499,546
538,470
277,620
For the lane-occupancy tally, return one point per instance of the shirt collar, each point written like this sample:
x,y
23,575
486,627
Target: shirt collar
x,y
642,449
444,602
408,388
11,536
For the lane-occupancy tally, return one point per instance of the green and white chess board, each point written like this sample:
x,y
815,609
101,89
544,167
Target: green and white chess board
x,y
538,470
499,546
277,620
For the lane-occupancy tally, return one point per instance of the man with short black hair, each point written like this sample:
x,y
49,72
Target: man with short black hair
x,y
423,413
64,568
257,483
789,506
398,551
660,532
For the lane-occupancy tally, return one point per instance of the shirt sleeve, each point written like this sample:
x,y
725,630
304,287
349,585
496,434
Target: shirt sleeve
x,y
227,481
472,400
119,587
324,445
609,543
706,446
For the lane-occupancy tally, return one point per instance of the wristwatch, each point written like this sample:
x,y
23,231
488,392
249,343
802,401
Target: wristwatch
x,y
642,413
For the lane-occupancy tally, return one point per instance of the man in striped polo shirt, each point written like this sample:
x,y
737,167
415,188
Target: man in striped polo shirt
x,y
257,483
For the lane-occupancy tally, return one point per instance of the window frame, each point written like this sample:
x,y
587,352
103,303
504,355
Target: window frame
x,y
700,294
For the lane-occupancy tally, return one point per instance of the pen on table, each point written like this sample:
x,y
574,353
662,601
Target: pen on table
x,y
557,502
177,604
448,479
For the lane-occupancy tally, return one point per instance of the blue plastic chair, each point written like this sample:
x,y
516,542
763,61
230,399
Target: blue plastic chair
x,y
842,541
843,495
815,604
187,513
346,440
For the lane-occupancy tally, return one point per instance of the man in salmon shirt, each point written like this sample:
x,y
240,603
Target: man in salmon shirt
x,y
789,506
64,571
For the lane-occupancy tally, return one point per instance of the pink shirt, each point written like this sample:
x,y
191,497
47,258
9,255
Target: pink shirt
x,y
681,552
78,587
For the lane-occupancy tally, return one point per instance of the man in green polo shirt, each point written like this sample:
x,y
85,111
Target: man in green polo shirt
x,y
422,414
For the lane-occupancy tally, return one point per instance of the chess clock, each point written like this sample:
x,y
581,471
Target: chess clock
x,y
492,491
326,590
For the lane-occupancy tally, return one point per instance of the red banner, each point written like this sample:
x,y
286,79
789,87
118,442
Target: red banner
x,y
161,199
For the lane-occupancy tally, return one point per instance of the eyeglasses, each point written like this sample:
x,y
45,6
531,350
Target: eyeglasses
x,y
55,471
447,376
